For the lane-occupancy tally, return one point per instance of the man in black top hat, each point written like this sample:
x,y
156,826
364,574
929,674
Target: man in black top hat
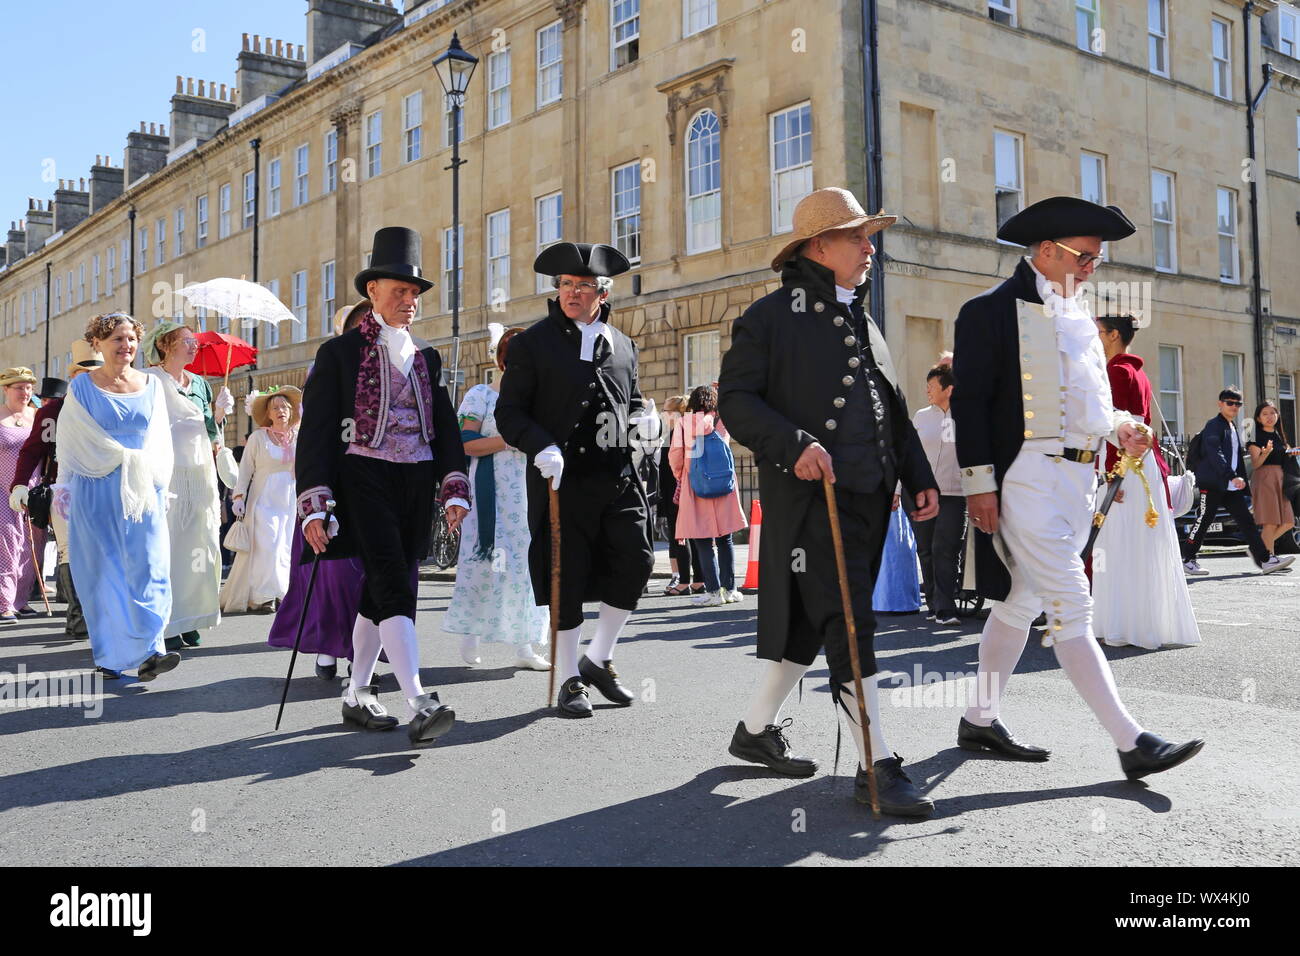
x,y
378,436
52,388
572,403
1032,405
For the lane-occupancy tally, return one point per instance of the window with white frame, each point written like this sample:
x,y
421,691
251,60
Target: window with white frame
x,y
1226,221
94,278
374,144
701,359
301,167
1087,20
272,329
550,228
791,161
70,289
110,264
1003,11
1288,31
1171,387
273,188
624,32
1234,370
331,160
447,279
1163,213
160,241
1008,174
1158,36
698,15
299,306
81,284
58,295
450,116
550,63
250,190
412,118
626,203
126,261
498,78
498,258
328,304
142,257
200,222
1286,403
178,242
1092,181
1221,56
703,183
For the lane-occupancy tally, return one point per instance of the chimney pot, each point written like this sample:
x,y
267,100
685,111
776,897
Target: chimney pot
x,y
223,91
201,93
142,126
162,129
189,86
279,48
245,41
180,84
82,180
257,43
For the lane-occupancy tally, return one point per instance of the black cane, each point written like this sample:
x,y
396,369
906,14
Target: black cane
x,y
1099,518
302,616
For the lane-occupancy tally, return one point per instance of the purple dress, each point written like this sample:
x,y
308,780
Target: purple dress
x,y
334,604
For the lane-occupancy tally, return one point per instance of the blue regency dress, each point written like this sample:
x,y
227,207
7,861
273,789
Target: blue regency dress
x,y
494,592
120,568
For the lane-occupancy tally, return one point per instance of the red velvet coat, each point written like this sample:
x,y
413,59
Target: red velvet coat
x,y
1130,390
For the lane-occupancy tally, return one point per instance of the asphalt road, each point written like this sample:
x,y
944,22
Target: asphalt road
x,y
186,770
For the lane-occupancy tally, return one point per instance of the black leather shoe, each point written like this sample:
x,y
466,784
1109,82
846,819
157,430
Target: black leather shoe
x,y
605,679
998,740
432,719
327,672
173,643
897,794
367,712
158,664
192,638
573,700
772,749
1154,754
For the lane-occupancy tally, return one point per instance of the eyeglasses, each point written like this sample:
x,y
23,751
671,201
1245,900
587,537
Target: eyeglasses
x,y
1228,401
565,285
1085,259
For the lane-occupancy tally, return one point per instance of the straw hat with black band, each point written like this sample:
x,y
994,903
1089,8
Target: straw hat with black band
x,y
261,404
825,210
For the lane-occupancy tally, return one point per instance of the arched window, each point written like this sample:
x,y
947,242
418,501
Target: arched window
x,y
703,183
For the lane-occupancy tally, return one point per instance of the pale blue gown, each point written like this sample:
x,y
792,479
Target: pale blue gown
x,y
120,568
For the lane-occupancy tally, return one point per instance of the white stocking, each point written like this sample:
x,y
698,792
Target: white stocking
x,y
774,687
849,706
365,654
566,653
398,637
1001,645
608,626
1086,666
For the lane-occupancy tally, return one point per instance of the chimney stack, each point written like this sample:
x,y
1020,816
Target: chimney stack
x,y
146,152
200,116
40,225
260,72
15,243
332,23
105,184
71,205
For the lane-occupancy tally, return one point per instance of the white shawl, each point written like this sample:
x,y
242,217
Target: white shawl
x,y
194,481
86,449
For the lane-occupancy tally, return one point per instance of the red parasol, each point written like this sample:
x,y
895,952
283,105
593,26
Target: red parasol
x,y
218,353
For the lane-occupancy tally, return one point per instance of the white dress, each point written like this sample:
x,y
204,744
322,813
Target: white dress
x,y
1139,591
494,595
266,481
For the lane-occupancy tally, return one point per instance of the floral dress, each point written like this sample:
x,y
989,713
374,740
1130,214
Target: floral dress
x,y
494,594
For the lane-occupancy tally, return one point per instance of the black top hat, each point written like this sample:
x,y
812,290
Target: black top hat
x,y
1063,216
580,259
52,388
394,254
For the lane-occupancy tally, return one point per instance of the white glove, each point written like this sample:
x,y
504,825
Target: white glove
x,y
550,463
237,507
225,401
18,498
644,433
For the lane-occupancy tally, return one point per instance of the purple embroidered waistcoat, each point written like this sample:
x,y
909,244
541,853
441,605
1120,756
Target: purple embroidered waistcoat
x,y
375,390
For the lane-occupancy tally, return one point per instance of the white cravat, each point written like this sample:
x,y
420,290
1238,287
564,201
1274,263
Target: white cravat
x,y
846,296
590,332
400,345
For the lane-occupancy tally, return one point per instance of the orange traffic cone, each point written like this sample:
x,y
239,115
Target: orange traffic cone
x,y
755,526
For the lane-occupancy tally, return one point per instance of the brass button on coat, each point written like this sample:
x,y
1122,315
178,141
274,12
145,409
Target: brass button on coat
x,y
838,402
850,340
838,320
854,362
830,424
847,380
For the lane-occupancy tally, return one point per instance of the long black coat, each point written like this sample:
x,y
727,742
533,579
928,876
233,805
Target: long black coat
x,y
776,392
329,403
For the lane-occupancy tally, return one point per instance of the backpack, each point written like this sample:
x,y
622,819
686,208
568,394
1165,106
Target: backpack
x,y
713,469
1195,451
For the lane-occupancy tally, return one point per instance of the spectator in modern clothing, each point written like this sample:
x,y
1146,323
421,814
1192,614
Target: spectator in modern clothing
x,y
681,556
1268,451
938,541
1221,480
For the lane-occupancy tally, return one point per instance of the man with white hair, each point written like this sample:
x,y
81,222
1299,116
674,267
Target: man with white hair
x,y
573,404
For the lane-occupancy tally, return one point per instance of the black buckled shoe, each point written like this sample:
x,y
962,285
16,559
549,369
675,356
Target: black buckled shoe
x,y
432,719
897,794
1154,754
770,748
158,664
998,740
573,700
327,671
604,678
367,712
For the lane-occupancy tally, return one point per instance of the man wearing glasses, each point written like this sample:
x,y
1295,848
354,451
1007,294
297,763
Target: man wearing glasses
x,y
1221,480
1031,406
573,404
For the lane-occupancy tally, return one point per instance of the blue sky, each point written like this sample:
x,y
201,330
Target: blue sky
x,y
82,73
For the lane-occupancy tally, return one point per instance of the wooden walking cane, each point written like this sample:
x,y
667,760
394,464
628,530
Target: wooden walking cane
x,y
37,564
554,502
852,628
302,616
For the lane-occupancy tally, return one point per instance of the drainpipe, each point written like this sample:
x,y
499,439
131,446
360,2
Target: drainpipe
x,y
871,124
1256,286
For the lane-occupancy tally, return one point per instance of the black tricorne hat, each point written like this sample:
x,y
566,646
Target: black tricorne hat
x,y
394,254
1062,216
52,388
580,259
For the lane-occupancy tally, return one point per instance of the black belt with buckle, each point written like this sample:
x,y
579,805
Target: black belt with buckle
x,y
1085,455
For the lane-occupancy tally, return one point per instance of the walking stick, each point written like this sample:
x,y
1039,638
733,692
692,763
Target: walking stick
x,y
302,616
554,502
36,563
852,628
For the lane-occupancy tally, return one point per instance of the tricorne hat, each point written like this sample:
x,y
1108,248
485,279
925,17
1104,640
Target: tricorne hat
x,y
262,400
580,259
84,355
1062,216
823,210
17,375
394,254
342,315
